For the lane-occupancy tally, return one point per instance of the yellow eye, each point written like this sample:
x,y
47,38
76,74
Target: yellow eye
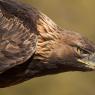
x,y
81,51
77,50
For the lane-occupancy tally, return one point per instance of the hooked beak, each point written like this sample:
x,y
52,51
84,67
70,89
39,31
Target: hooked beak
x,y
88,62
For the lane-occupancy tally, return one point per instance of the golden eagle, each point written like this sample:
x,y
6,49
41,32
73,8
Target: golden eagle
x,y
32,45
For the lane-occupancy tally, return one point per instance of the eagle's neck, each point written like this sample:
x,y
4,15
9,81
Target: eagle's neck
x,y
48,37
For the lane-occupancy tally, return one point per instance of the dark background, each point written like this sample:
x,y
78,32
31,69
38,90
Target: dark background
x,y
76,15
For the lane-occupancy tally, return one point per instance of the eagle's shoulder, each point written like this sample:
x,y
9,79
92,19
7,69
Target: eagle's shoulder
x,y
18,34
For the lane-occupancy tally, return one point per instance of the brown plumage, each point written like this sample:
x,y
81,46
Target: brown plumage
x,y
32,45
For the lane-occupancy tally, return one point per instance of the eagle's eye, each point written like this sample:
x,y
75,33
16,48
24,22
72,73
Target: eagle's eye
x,y
81,51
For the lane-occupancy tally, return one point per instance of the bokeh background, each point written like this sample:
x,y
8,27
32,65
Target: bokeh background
x,y
76,15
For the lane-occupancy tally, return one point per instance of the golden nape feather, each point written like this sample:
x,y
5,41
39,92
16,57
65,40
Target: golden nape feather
x,y
32,45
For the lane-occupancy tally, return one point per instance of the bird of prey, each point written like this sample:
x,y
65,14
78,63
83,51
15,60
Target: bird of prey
x,y
32,45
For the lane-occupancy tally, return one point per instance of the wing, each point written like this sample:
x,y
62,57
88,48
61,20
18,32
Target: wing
x,y
17,34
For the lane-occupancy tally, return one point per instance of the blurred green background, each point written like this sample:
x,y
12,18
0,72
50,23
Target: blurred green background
x,y
77,15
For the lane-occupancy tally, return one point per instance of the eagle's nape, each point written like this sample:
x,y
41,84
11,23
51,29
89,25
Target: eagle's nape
x,y
32,45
